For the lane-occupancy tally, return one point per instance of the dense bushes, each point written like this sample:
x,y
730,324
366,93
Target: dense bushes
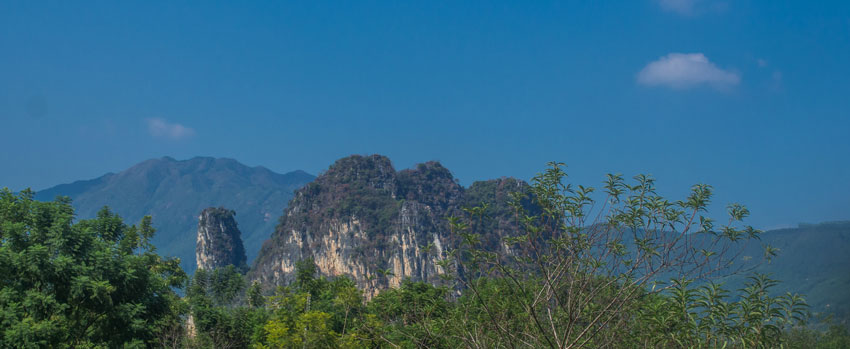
x,y
318,312
94,283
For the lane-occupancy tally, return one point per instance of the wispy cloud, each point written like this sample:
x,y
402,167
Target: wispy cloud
x,y
161,128
686,70
693,7
682,7
776,81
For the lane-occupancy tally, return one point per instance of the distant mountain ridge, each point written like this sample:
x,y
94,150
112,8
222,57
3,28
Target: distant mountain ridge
x,y
813,260
175,192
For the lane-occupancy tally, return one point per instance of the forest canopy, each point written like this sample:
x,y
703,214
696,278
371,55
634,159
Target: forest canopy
x,y
95,282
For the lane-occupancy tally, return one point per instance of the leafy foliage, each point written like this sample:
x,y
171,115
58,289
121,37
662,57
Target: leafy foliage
x,y
835,337
221,319
583,273
97,282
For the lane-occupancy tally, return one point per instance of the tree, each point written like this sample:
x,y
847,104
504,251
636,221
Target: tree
x,y
413,314
582,271
255,295
223,285
217,297
96,282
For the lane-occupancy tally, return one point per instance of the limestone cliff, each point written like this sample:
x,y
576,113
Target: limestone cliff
x,y
363,219
219,240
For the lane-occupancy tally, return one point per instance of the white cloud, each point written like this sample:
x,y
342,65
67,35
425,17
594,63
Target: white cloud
x,y
682,7
161,128
686,70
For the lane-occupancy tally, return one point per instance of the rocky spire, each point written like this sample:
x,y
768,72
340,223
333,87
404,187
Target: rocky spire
x,y
219,240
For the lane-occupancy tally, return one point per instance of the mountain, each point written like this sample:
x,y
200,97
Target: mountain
x,y
175,192
364,219
813,260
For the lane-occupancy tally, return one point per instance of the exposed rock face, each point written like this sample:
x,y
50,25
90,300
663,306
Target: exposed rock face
x,y
363,219
219,240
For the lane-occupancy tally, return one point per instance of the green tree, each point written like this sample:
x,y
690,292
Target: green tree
x,y
315,311
834,337
96,282
582,270
217,298
413,314
224,286
255,295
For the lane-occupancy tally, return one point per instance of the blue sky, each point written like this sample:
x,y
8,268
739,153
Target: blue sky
x,y
752,97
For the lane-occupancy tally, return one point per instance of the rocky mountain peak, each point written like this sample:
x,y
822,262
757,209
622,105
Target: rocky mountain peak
x,y
375,171
219,239
363,219
431,184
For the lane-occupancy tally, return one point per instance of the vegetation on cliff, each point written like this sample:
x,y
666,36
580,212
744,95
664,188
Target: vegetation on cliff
x,y
219,240
385,224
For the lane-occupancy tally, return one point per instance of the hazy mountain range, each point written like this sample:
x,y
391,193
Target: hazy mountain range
x,y
174,193
813,260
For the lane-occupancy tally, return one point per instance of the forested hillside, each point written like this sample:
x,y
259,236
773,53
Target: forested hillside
x,y
812,259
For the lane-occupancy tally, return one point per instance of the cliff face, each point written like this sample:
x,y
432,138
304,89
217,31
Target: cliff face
x,y
363,219
219,240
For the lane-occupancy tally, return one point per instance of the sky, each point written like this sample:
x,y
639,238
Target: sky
x,y
752,97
